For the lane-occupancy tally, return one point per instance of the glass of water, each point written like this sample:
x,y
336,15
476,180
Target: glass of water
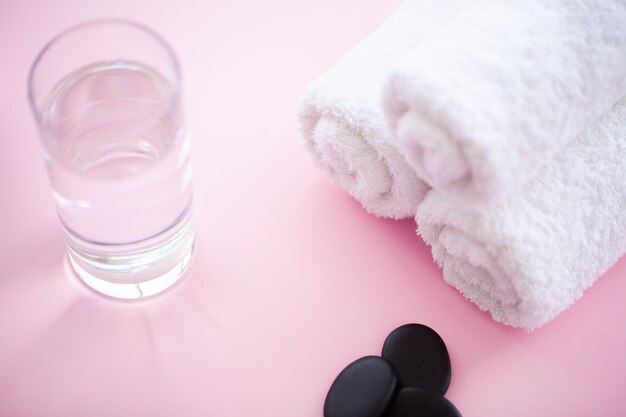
x,y
106,97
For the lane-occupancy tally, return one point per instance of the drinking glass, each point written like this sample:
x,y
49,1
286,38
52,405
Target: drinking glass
x,y
106,98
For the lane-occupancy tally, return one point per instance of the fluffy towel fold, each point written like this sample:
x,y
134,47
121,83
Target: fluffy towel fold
x,y
481,105
527,259
342,119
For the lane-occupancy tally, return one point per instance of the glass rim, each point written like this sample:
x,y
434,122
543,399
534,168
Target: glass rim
x,y
101,22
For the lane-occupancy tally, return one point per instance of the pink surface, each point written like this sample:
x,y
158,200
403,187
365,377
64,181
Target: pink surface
x,y
292,279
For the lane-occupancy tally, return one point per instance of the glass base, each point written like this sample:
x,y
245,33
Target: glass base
x,y
138,290
138,270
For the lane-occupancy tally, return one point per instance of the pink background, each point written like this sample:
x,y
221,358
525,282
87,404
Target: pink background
x,y
292,279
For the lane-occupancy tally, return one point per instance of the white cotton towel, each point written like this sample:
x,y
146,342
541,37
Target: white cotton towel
x,y
527,259
342,119
479,107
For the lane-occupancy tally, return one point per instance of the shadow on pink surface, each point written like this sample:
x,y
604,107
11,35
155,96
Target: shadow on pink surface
x,y
75,348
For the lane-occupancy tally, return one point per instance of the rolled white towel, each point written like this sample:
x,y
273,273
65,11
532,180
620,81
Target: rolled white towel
x,y
342,118
479,107
527,259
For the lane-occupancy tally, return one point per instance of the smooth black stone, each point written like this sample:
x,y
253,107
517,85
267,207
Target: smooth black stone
x,y
364,388
420,358
417,402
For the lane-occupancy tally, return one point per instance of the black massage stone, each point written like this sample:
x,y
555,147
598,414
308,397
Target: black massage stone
x,y
420,358
364,388
417,402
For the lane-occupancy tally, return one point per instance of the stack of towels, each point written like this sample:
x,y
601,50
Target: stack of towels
x,y
500,126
